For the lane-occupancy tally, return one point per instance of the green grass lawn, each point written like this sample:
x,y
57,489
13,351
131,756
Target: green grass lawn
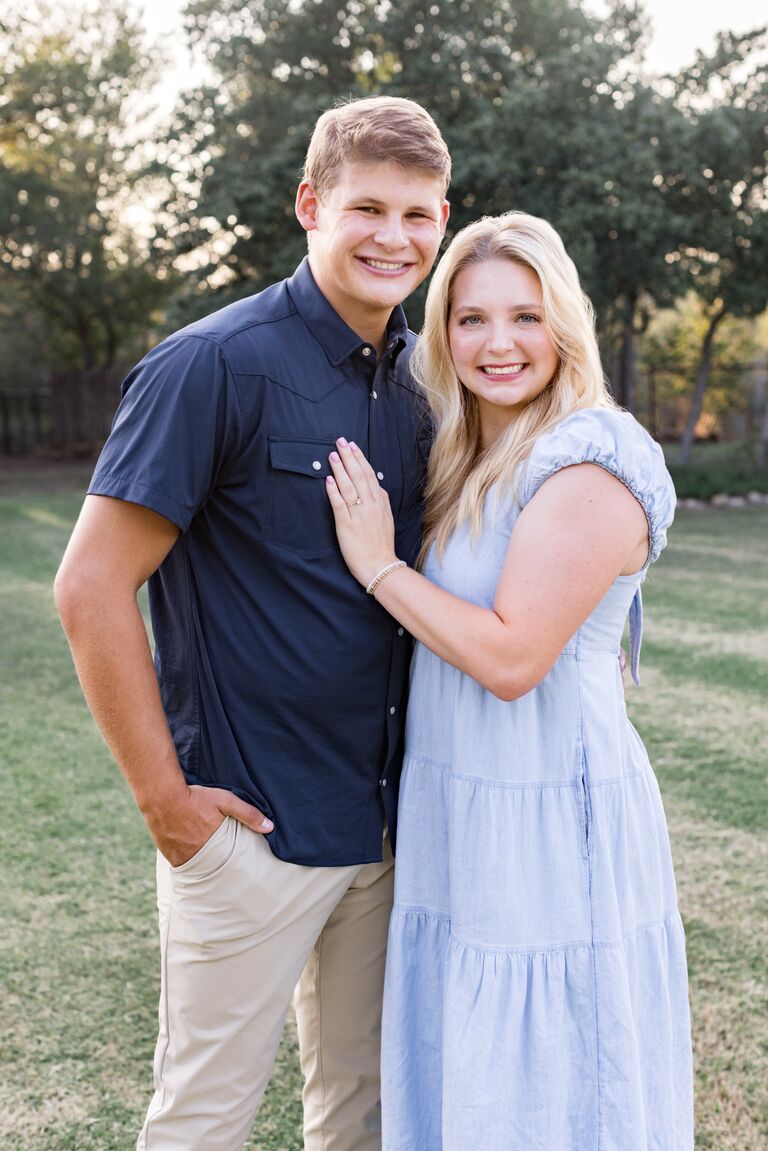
x,y
78,951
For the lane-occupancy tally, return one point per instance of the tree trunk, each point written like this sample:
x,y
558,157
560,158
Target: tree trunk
x,y
702,379
653,411
82,329
110,352
624,393
762,453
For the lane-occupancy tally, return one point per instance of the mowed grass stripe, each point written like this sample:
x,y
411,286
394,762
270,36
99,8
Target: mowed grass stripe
x,y
702,712
699,636
712,669
78,951
724,896
708,746
713,574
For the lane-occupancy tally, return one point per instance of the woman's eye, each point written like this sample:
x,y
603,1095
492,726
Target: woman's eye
x,y
470,321
529,318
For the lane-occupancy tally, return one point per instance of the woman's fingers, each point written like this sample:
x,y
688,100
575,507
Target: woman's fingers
x,y
359,471
344,483
338,503
361,511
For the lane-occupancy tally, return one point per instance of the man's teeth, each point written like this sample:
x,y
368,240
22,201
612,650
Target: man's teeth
x,y
383,265
504,370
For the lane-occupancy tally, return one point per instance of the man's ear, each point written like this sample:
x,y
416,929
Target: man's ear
x,y
445,211
307,205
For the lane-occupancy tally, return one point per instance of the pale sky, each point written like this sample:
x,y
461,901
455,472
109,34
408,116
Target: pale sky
x,y
680,26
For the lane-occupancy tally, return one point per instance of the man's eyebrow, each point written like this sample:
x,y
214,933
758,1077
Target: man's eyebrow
x,y
382,203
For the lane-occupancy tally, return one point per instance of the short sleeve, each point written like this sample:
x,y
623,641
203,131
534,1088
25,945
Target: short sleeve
x,y
613,440
177,424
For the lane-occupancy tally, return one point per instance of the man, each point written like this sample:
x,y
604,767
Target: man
x,y
263,746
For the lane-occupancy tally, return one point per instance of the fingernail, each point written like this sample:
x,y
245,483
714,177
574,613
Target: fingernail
x,y
335,457
330,481
342,441
266,825
353,447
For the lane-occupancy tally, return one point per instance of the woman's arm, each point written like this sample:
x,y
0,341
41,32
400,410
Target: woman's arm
x,y
581,530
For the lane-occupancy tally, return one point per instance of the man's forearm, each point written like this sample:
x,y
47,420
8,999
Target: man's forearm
x,y
114,664
114,549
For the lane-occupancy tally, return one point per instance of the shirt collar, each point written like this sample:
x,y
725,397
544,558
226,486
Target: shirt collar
x,y
335,337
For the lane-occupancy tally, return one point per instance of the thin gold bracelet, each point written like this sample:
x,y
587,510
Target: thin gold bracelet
x,y
382,575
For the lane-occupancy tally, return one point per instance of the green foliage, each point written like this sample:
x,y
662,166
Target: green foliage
x,y
655,188
718,468
533,98
658,188
66,169
726,251
670,351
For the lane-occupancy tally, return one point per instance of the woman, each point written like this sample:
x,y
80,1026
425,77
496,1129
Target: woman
x,y
536,995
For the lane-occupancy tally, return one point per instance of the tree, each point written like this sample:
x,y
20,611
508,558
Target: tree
x,y
67,170
670,352
514,84
541,102
725,254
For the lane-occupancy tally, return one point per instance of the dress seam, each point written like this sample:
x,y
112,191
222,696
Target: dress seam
x,y
531,785
413,911
586,784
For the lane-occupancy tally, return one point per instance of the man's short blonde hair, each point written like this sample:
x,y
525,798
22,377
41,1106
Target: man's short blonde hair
x,y
376,128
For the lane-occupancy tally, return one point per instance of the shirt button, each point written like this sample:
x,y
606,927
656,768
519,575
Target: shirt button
x,y
316,465
366,351
401,631
379,475
392,710
382,783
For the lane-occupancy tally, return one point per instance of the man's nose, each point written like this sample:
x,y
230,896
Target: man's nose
x,y
390,233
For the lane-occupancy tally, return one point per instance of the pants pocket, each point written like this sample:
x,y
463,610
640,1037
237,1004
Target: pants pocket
x,y
213,856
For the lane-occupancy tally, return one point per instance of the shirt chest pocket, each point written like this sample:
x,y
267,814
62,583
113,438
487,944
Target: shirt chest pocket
x,y
300,515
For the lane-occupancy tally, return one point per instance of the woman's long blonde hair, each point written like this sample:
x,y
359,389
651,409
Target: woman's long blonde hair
x,y
460,473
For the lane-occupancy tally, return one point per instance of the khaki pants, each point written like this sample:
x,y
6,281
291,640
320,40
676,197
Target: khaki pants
x,y
239,931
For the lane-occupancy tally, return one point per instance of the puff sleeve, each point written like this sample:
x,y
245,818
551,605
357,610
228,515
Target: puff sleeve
x,y
614,440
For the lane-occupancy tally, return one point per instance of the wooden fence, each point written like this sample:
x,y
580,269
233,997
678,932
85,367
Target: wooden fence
x,y
71,416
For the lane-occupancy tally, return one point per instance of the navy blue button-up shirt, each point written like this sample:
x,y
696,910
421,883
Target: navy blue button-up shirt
x,y
281,679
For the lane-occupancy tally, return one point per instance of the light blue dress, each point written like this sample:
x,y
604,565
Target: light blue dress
x,y
536,992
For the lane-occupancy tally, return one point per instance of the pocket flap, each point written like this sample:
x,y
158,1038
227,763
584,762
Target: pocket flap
x,y
307,457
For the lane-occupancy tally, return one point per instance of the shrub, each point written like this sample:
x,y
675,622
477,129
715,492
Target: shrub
x,y
713,468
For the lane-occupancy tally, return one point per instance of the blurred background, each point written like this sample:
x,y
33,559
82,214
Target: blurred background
x,y
149,156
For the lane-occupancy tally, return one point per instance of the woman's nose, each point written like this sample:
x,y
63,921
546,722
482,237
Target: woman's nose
x,y
501,338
